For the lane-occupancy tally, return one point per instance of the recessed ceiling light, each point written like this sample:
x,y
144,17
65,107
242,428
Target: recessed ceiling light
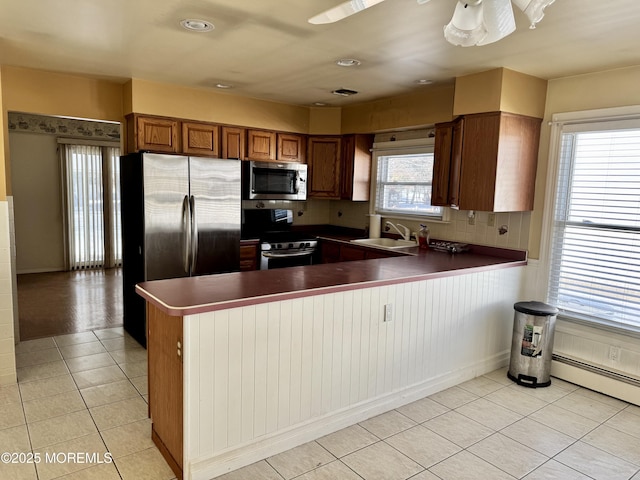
x,y
319,104
344,92
194,25
348,62
423,81
223,85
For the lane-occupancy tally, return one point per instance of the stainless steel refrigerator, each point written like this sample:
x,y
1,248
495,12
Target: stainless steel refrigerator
x,y
180,217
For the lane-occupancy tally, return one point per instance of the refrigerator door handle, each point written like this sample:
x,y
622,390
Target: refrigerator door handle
x,y
194,234
186,233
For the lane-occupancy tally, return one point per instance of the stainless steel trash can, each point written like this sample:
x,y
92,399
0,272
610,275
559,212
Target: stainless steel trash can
x,y
532,344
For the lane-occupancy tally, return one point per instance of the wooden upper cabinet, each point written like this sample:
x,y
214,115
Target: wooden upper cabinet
x,y
356,167
323,158
291,147
233,142
498,160
446,166
201,139
261,145
155,134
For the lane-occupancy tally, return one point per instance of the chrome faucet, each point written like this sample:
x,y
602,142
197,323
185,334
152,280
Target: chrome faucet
x,y
405,233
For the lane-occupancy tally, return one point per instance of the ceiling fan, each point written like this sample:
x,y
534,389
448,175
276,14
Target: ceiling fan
x,y
474,22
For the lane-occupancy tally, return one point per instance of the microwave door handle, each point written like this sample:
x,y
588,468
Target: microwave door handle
x,y
194,234
186,233
296,187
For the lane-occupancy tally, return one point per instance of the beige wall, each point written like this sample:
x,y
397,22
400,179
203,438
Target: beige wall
x,y
425,108
500,89
37,200
205,105
48,93
613,88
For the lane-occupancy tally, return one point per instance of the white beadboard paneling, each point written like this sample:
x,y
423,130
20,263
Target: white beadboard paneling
x,y
234,420
261,355
295,379
269,377
284,365
247,398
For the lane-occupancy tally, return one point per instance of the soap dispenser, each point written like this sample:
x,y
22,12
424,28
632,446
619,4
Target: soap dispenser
x,y
423,236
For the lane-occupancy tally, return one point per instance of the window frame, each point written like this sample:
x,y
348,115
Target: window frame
x,y
402,147
572,122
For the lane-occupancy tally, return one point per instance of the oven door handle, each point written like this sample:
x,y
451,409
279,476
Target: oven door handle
x,y
284,255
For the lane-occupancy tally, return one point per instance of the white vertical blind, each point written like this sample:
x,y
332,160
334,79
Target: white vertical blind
x,y
92,184
595,256
84,202
112,155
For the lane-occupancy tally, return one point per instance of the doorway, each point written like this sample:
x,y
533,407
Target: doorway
x,y
52,297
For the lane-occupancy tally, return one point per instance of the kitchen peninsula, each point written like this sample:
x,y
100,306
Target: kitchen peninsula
x,y
245,365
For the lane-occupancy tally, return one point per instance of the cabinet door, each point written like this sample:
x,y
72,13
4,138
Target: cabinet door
x,y
248,257
233,142
356,167
329,251
324,167
155,134
446,165
165,385
499,162
261,145
349,253
200,139
291,148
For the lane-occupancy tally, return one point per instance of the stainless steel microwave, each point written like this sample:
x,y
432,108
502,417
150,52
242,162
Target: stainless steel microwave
x,y
275,181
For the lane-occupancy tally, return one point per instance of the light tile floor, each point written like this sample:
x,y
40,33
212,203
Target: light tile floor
x,y
82,394
486,428
86,393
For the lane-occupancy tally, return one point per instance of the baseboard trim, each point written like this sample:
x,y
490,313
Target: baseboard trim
x,y
597,382
269,445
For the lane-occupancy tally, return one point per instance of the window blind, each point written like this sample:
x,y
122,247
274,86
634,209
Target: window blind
x,y
85,206
595,255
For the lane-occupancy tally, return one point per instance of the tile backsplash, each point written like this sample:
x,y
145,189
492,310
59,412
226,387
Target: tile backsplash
x,y
460,227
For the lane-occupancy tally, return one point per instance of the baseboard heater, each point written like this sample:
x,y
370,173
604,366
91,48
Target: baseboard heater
x,y
599,370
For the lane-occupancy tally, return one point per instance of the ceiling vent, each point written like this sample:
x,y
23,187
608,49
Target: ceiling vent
x,y
344,92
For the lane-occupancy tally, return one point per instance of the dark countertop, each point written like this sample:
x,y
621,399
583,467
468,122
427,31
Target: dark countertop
x,y
187,296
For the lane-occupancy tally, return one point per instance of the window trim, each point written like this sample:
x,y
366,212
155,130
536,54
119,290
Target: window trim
x,y
401,147
565,123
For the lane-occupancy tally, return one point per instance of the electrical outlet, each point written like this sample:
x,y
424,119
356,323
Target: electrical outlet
x,y
614,353
491,220
388,312
472,220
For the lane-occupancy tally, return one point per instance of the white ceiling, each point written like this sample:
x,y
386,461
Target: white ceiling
x,y
267,50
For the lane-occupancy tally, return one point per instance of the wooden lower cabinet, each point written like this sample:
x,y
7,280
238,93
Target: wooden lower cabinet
x,y
337,251
249,255
164,349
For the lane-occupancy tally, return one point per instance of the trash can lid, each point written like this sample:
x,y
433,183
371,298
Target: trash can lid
x,y
538,309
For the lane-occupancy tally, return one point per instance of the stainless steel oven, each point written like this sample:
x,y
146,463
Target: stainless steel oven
x,y
281,254
275,181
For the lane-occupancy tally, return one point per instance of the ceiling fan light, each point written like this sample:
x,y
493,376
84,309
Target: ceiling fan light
x,y
499,20
466,27
533,9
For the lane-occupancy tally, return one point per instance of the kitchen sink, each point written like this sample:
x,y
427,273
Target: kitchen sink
x,y
388,243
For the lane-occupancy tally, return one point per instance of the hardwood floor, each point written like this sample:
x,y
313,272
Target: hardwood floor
x,y
58,303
